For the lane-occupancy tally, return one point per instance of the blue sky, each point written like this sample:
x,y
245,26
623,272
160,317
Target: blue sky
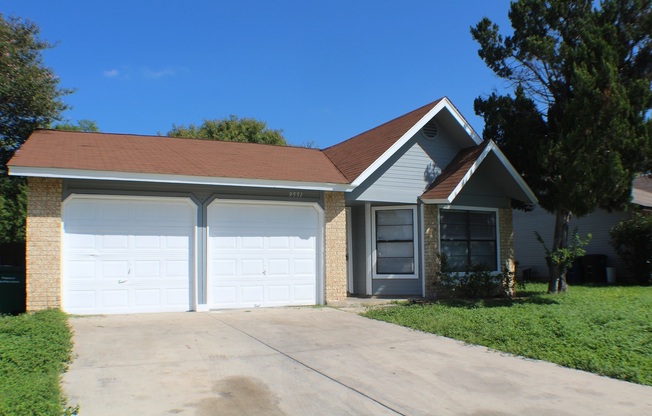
x,y
322,71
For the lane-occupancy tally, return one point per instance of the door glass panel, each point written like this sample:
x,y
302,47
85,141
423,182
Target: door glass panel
x,y
395,249
395,265
395,241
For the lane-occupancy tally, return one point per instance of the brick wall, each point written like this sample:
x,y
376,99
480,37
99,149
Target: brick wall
x,y
43,252
507,247
506,238
431,248
335,247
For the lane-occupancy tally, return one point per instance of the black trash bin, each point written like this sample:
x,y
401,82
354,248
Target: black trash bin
x,y
12,290
594,268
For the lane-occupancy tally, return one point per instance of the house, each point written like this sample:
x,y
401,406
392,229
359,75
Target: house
x,y
530,255
123,223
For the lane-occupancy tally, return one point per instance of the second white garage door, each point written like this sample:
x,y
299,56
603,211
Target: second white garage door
x,y
262,254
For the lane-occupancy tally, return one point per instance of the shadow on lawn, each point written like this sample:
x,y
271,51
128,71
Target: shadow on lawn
x,y
522,297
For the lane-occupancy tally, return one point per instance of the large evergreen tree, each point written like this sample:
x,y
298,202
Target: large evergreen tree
x,y
30,98
577,126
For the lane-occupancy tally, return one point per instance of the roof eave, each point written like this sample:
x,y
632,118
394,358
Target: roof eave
x,y
443,103
491,147
62,173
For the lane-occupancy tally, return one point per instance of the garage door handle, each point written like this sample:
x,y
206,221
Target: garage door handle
x,y
122,281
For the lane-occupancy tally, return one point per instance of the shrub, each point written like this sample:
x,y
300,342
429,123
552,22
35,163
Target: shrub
x,y
475,283
632,240
34,351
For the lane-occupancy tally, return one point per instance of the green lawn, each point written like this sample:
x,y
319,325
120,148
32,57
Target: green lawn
x,y
604,330
34,350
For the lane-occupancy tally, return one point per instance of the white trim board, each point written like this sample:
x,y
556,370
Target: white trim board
x,y
491,147
180,179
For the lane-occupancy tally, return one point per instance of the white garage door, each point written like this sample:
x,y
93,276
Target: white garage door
x,y
262,254
123,255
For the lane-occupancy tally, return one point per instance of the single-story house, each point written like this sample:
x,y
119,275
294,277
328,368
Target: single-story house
x,y
124,223
530,255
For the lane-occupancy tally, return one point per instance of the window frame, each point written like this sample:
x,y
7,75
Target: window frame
x,y
495,211
415,243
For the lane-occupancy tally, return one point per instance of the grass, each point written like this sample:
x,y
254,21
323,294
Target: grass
x,y
604,330
34,352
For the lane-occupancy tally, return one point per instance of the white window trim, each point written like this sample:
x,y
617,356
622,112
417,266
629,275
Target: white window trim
x,y
496,211
374,274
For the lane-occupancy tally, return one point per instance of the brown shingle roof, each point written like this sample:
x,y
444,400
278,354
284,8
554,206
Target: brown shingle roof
x,y
355,155
451,176
173,156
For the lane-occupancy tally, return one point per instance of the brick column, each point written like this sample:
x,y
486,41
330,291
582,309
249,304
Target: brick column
x,y
335,247
430,248
43,251
506,244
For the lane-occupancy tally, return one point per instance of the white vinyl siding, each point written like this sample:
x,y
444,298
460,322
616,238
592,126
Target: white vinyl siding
x,y
405,176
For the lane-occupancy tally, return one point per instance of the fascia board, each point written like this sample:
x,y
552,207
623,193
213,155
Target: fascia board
x,y
462,121
443,103
512,171
435,201
469,173
180,179
491,147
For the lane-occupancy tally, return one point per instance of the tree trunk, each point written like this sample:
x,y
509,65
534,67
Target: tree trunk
x,y
557,282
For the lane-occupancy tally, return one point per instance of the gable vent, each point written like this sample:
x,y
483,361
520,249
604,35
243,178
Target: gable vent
x,y
430,130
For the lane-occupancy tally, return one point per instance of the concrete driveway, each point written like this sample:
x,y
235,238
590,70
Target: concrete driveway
x,y
315,361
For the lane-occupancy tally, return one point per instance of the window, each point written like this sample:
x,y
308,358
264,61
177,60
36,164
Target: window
x,y
468,238
395,244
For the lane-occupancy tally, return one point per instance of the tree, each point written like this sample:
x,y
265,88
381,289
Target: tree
x,y
632,240
84,125
576,126
232,129
30,98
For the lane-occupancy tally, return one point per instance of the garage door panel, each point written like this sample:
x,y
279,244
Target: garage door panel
x,y
250,268
129,263
116,298
259,252
252,294
83,299
147,297
303,293
278,267
279,293
115,269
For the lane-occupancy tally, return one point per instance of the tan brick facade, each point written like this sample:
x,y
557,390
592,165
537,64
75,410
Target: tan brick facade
x,y
43,254
431,242
335,247
506,230
430,248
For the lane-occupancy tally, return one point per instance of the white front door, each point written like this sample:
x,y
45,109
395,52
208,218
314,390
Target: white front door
x,y
127,254
262,254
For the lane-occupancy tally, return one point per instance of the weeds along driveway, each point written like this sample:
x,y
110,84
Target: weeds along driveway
x,y
315,361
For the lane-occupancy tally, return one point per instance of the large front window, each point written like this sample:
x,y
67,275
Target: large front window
x,y
395,245
468,238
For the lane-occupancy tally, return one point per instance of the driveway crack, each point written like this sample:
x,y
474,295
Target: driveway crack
x,y
346,386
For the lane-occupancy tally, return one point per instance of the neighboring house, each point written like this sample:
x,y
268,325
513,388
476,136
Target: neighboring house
x,y
529,253
123,223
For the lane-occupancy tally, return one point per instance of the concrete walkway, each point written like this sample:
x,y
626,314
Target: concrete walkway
x,y
315,361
